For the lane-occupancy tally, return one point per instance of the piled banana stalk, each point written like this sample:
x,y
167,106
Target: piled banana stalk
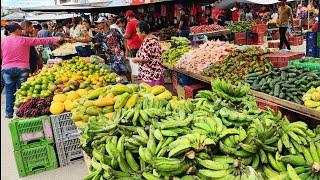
x,y
221,134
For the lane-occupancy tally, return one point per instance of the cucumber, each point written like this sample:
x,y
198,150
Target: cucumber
x,y
288,85
276,91
284,75
297,100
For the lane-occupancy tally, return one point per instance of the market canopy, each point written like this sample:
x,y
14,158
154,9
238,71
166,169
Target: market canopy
x,y
14,16
229,3
47,17
59,8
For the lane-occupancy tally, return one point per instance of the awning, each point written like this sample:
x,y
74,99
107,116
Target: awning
x,y
122,3
47,17
229,3
59,8
14,16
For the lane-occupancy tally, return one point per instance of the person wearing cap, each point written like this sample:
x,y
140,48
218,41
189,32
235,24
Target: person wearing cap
x,y
235,16
34,58
285,13
184,29
82,39
149,56
110,46
133,41
15,52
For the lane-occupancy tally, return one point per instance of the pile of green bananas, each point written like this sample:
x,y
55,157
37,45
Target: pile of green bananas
x,y
221,134
172,55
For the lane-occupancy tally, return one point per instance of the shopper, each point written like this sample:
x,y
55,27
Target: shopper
x,y
149,57
249,16
86,24
285,13
274,15
34,58
15,51
119,25
184,29
133,41
76,33
44,32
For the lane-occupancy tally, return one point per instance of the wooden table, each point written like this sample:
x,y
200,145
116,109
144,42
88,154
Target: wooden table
x,y
300,109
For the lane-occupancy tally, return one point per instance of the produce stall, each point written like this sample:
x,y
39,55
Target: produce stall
x,y
195,138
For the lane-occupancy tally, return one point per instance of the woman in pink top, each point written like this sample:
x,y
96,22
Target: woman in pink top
x,y
15,51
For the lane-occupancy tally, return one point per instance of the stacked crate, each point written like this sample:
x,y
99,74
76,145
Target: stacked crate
x,y
33,145
312,49
66,137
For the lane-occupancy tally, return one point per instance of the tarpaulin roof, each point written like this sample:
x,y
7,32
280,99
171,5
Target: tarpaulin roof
x,y
227,3
14,16
47,17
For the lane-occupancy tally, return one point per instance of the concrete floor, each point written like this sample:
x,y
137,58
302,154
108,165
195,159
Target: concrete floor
x,y
73,172
9,170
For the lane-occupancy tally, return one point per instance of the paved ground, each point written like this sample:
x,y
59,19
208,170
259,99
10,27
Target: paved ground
x,y
8,166
72,172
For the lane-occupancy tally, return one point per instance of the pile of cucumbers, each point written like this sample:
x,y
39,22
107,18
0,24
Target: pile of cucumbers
x,y
214,136
286,83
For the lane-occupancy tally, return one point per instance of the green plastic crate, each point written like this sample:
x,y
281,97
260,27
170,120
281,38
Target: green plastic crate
x,y
307,63
28,131
35,159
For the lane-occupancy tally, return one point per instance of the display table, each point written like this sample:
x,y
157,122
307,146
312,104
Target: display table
x,y
300,109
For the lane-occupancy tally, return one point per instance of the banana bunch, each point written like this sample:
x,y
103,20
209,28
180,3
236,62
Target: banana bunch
x,y
226,169
213,128
231,117
294,135
206,94
193,141
241,146
300,166
228,91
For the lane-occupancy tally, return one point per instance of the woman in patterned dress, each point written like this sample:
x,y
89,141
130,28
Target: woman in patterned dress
x,y
149,56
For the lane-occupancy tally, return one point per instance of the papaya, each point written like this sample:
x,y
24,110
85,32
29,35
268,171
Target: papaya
x,y
106,101
132,101
88,103
120,89
95,93
121,100
165,95
76,116
146,87
156,90
133,87
80,124
93,111
107,109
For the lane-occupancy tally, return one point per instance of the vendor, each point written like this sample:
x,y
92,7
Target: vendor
x,y
82,39
184,29
149,56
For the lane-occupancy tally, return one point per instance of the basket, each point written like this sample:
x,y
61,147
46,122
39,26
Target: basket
x,y
69,151
63,127
27,131
35,159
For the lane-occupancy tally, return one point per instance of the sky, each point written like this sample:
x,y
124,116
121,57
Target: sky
x,y
26,3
